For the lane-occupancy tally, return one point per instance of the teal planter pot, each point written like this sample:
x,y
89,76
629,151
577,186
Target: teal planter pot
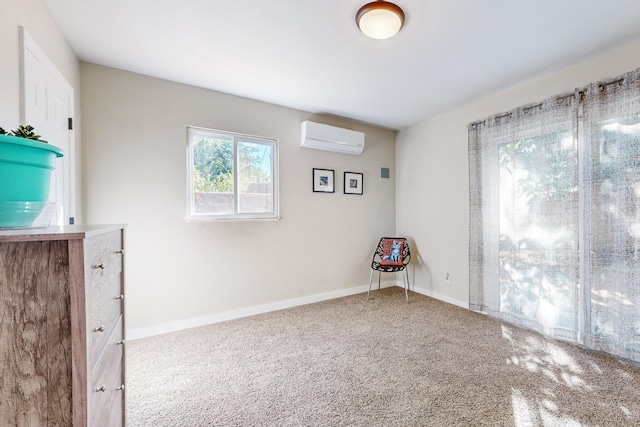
x,y
25,176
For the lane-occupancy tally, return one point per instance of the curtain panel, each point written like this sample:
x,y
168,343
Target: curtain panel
x,y
611,218
554,239
524,217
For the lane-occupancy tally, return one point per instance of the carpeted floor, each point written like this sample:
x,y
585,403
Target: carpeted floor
x,y
351,362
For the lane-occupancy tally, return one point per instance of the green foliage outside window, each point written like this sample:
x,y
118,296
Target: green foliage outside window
x,y
550,164
213,165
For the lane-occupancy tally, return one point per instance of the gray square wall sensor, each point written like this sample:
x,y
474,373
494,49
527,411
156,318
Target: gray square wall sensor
x,y
384,172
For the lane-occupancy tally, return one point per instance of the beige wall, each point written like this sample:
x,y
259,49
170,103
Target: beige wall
x,y
181,274
34,16
433,173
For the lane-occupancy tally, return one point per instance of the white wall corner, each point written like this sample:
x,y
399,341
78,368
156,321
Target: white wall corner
x,y
436,295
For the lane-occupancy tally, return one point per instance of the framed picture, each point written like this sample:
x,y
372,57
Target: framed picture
x,y
323,180
353,183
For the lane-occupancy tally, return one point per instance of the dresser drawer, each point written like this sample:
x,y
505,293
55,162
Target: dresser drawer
x,y
107,382
104,288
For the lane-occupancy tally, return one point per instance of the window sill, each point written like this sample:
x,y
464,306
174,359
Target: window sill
x,y
217,218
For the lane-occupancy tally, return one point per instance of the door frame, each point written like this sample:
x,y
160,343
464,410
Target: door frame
x,y
28,44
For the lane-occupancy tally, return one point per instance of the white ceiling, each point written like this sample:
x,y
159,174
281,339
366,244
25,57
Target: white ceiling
x,y
309,54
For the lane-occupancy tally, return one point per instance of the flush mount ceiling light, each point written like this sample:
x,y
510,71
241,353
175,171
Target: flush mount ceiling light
x,y
380,19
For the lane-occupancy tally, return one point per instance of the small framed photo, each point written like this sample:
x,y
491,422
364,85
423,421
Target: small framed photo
x,y
353,183
323,180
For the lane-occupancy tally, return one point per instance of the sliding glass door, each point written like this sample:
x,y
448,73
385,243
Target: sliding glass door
x,y
555,216
524,235
538,244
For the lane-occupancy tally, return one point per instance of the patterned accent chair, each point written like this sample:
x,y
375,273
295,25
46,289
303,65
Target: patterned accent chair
x,y
391,256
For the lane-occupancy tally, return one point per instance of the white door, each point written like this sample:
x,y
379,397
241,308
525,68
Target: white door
x,y
47,105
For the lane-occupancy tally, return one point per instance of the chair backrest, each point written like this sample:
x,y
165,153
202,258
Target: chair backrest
x,y
392,254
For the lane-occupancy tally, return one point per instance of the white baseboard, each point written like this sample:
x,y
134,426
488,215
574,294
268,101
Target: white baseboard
x,y
438,296
164,328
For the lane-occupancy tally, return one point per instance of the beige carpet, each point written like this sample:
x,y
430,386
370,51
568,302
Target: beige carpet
x,y
351,362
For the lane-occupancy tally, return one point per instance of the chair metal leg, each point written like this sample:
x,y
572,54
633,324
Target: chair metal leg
x,y
405,279
406,285
370,280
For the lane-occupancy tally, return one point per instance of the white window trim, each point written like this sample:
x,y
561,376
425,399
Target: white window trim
x,y
268,216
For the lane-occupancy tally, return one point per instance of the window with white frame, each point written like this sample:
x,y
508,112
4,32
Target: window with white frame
x,y
231,175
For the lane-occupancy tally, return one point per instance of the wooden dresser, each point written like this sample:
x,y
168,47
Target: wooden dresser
x,y
62,350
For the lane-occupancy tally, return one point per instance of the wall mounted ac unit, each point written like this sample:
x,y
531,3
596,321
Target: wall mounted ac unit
x,y
331,138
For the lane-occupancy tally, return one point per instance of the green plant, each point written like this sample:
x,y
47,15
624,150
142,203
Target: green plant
x,y
23,132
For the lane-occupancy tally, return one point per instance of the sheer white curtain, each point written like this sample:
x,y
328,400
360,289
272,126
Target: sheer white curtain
x,y
524,217
555,216
611,188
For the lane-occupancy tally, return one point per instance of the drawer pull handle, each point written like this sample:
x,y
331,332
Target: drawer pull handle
x,y
120,297
99,329
101,266
121,252
120,387
120,342
101,389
